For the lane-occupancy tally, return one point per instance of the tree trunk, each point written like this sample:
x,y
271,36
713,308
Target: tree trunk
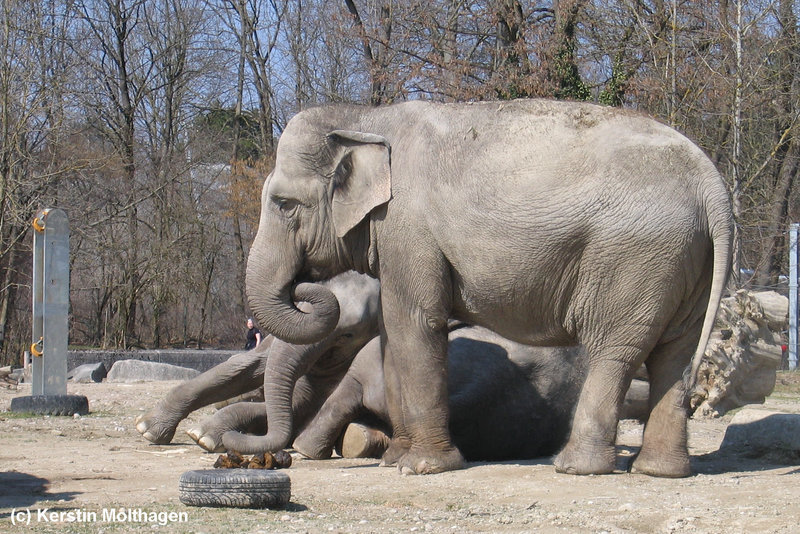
x,y
562,68
376,60
772,260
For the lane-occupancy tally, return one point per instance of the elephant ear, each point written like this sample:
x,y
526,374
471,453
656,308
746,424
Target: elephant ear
x,y
363,179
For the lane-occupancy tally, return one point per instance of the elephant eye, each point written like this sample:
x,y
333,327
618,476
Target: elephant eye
x,y
286,206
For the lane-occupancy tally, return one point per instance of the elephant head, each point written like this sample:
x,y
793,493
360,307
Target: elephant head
x,y
313,225
326,360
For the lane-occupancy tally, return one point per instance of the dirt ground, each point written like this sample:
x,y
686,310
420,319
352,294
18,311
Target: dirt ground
x,y
97,465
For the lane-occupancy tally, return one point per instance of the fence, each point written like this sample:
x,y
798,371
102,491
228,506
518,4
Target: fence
x,y
793,340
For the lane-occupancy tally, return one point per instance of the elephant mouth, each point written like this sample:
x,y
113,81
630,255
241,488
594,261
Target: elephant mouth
x,y
313,274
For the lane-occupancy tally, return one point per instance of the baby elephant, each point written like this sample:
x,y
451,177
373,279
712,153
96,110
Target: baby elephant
x,y
506,400
296,378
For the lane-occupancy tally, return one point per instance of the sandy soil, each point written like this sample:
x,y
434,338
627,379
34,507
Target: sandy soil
x,y
97,464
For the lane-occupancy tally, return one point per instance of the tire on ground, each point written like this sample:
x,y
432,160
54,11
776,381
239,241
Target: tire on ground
x,y
51,404
235,488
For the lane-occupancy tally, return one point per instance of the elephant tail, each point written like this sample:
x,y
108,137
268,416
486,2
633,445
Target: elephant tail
x,y
720,225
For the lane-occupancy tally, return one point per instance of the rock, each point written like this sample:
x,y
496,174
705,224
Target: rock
x,y
20,375
140,371
772,309
764,434
89,372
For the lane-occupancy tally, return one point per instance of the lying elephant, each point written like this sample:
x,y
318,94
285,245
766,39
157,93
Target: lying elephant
x,y
507,401
550,223
296,378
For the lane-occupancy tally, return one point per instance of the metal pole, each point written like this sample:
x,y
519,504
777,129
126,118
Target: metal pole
x,y
793,338
50,324
37,305
50,302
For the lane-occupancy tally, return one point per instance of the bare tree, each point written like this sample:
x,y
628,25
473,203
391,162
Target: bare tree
x,y
34,70
786,151
375,50
122,72
155,127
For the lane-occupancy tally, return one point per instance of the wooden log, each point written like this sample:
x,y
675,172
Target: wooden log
x,y
773,308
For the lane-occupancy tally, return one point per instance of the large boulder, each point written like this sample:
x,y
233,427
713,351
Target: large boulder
x,y
141,371
88,372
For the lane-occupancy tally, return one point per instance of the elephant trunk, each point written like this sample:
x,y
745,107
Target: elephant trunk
x,y
273,297
285,365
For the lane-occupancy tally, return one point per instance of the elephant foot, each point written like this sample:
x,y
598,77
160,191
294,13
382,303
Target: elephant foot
x,y
667,466
424,461
312,447
397,449
359,441
585,461
155,426
208,440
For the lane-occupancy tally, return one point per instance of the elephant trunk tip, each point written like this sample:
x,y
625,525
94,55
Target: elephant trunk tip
x,y
250,444
306,315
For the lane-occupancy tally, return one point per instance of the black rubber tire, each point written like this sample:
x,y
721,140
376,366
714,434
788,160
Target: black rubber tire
x,y
51,404
235,488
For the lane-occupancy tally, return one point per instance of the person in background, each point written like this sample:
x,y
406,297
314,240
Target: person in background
x,y
253,335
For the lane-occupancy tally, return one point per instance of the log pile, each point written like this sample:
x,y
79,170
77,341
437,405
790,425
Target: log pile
x,y
8,379
743,354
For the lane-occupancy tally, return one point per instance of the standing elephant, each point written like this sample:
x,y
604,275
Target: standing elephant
x,y
551,223
296,379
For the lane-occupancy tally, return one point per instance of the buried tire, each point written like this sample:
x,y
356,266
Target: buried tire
x,y
235,488
51,404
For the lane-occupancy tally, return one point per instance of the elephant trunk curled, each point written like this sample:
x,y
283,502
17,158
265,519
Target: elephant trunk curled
x,y
285,364
272,296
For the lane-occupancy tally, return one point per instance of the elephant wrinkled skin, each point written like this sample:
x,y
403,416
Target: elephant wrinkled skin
x,y
507,401
296,378
550,223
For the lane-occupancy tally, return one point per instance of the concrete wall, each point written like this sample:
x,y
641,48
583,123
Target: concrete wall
x,y
201,360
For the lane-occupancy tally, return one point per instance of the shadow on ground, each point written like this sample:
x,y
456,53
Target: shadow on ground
x,y
21,490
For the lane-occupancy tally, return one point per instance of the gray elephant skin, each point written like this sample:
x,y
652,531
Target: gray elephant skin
x,y
296,378
550,223
507,401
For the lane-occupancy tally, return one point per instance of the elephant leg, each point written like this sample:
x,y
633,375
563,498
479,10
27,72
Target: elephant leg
x,y
401,441
591,448
246,417
664,444
239,374
319,436
415,366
